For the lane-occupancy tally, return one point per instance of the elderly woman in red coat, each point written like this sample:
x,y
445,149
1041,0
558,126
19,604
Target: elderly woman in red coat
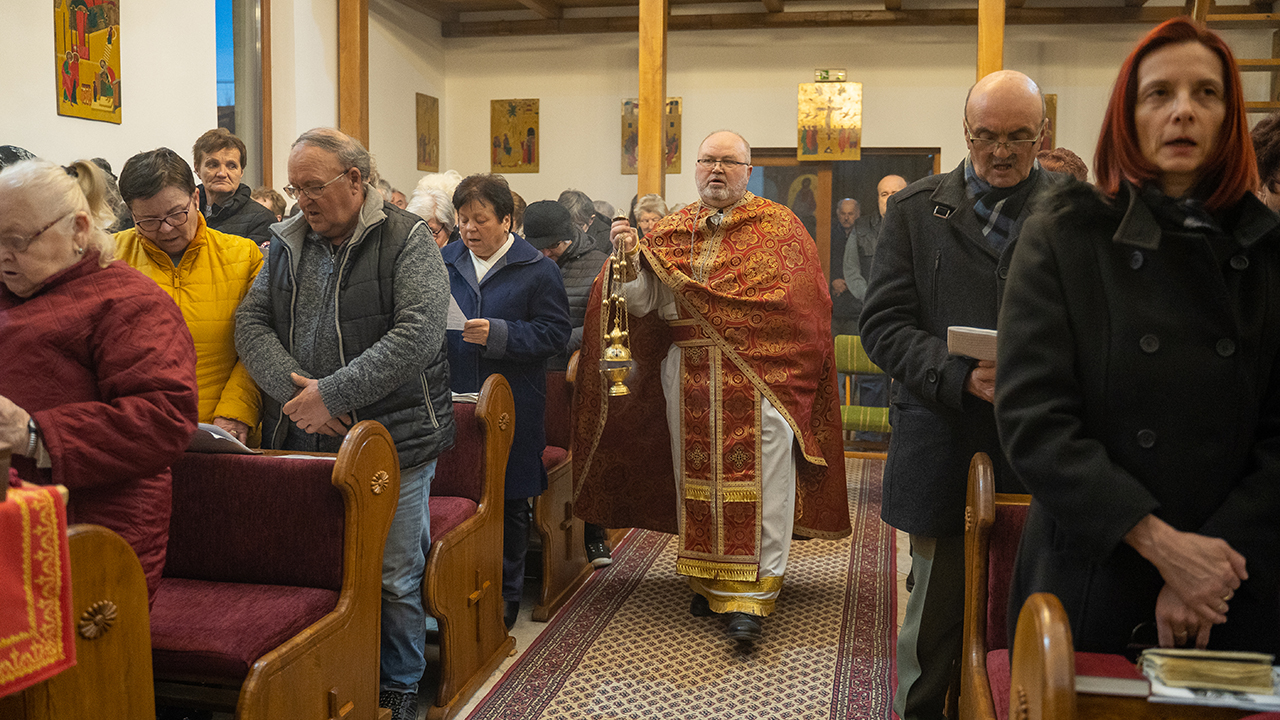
x,y
98,391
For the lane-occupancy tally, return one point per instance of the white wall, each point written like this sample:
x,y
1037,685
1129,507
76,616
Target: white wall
x,y
168,83
406,57
304,74
914,84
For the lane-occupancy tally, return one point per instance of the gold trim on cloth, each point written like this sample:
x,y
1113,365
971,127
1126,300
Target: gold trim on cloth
x,y
726,596
43,642
712,570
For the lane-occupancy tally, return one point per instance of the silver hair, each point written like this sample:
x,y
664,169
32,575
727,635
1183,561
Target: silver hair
x,y
604,208
82,186
578,204
350,153
431,203
653,203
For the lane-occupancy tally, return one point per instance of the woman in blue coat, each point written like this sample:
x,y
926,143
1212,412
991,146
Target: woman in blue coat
x,y
518,316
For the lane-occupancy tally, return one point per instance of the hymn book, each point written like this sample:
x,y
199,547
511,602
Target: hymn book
x,y
1204,677
977,343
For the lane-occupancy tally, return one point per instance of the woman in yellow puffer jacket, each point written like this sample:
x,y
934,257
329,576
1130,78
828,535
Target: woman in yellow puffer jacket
x,y
206,273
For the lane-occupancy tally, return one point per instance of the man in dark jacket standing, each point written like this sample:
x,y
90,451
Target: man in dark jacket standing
x,y
549,228
346,322
943,254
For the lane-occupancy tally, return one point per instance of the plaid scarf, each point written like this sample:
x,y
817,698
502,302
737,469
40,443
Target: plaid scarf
x,y
998,208
1185,212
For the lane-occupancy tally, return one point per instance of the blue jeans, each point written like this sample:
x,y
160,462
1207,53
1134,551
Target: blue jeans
x,y
404,561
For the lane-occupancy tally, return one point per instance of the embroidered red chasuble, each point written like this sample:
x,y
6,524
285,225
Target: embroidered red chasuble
x,y
754,323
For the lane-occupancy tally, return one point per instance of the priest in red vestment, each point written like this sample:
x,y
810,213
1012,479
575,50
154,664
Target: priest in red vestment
x,y
730,436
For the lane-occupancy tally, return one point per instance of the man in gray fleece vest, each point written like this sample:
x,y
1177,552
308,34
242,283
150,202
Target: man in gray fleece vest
x,y
346,322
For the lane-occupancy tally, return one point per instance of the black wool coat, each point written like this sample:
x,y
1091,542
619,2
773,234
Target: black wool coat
x,y
1139,373
934,268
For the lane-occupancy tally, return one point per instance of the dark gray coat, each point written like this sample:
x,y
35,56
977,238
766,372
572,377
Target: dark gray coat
x,y
579,266
933,268
1139,372
240,215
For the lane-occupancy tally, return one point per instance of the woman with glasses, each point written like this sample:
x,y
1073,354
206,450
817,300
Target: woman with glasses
x,y
98,387
206,272
1138,386
649,210
436,208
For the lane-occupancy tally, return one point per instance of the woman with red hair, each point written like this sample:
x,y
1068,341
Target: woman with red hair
x,y
1138,390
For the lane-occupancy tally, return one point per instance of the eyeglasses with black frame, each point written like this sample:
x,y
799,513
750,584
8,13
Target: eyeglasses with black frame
x,y
19,245
710,164
1013,146
153,224
313,192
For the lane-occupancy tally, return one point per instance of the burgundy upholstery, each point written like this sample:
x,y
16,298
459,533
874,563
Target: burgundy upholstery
x,y
1001,553
458,475
448,512
220,629
226,512
553,456
559,413
999,674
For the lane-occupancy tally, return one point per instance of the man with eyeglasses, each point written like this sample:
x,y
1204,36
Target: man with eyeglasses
x,y
731,438
944,251
346,322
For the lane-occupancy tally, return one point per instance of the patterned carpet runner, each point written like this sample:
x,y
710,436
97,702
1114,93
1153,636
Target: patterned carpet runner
x,y
627,647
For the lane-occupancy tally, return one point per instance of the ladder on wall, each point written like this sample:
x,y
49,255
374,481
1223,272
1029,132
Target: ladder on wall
x,y
1257,16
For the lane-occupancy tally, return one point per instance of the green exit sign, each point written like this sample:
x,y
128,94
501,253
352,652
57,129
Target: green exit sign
x,y
829,75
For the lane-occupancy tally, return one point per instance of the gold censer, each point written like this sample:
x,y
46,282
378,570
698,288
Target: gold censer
x,y
616,361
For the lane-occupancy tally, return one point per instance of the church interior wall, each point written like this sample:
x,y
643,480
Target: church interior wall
x,y
168,83
914,84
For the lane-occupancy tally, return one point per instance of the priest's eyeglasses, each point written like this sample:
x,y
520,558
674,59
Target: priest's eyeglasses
x,y
19,245
710,164
992,144
313,192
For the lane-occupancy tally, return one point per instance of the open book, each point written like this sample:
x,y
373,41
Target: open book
x,y
213,439
977,343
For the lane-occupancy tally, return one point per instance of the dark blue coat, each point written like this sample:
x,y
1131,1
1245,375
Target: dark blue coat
x,y
524,300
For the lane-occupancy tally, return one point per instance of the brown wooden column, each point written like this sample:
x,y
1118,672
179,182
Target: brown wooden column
x,y
653,97
990,37
353,69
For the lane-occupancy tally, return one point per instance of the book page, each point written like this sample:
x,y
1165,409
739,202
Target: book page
x,y
210,438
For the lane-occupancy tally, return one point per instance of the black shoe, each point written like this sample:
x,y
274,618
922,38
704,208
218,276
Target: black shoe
x,y
510,611
598,555
743,627
403,705
699,607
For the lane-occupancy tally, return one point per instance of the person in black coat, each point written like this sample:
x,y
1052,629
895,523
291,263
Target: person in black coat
x,y
227,203
549,228
518,316
1138,392
944,248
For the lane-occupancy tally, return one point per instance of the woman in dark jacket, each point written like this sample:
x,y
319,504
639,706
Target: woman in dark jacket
x,y
98,387
1138,390
518,316
227,203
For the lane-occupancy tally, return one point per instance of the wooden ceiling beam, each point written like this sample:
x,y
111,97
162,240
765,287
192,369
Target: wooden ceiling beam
x,y
432,9
773,6
546,8
892,5
1014,3
834,18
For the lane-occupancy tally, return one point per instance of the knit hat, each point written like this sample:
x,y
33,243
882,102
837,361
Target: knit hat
x,y
547,224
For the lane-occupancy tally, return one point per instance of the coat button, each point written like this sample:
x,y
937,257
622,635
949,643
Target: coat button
x,y
1239,262
931,375
1003,273
1146,438
1226,347
1135,260
1149,343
